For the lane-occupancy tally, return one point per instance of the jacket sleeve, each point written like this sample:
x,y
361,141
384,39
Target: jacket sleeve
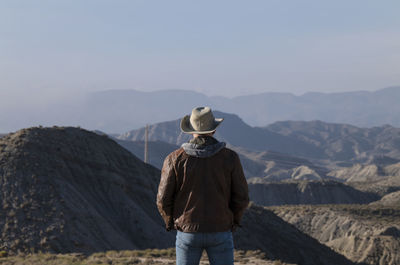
x,y
166,192
239,192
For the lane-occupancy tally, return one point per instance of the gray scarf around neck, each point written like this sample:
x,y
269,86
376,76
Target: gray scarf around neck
x,y
203,146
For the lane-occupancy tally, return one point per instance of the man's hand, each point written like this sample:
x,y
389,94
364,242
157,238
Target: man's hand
x,y
235,226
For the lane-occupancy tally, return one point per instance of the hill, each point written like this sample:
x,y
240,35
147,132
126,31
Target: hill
x,y
71,190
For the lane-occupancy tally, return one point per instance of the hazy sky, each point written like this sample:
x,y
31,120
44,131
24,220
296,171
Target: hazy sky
x,y
56,48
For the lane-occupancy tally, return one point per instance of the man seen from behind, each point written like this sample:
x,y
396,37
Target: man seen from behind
x,y
202,192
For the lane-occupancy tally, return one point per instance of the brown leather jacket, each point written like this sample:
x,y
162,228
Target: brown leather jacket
x,y
202,188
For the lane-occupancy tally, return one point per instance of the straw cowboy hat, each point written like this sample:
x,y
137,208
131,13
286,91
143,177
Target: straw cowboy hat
x,y
201,121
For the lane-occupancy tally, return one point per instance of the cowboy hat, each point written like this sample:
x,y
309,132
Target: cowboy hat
x,y
201,121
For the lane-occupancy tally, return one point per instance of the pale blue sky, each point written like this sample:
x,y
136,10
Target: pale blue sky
x,y
52,49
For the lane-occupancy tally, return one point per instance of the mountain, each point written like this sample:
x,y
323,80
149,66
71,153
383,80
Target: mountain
x,y
117,111
361,108
306,192
121,110
362,233
342,142
323,144
65,189
233,131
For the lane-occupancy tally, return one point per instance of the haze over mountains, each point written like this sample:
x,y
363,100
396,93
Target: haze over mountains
x,y
117,111
65,189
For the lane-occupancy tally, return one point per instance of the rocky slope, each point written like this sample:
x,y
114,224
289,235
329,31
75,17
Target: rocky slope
x,y
306,192
361,233
70,190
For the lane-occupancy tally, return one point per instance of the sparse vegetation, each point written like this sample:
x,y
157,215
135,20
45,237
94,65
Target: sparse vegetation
x,y
123,257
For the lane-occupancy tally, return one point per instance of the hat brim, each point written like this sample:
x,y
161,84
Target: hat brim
x,y
186,127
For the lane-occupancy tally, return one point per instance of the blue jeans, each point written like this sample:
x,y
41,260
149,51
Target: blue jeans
x,y
190,246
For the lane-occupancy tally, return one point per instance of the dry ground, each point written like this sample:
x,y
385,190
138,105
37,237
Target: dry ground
x,y
127,257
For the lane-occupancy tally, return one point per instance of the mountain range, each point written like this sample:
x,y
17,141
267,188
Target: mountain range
x,y
117,111
329,145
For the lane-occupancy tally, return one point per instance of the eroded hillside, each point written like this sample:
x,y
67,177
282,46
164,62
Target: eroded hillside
x,y
363,233
70,190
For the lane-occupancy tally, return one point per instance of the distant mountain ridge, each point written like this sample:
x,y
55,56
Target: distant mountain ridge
x,y
109,109
117,111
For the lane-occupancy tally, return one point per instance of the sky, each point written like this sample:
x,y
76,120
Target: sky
x,y
58,49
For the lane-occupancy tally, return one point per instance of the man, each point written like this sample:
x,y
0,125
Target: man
x,y
202,193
